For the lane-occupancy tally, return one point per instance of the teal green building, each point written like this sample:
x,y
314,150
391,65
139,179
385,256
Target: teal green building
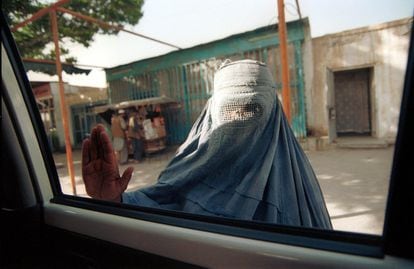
x,y
186,75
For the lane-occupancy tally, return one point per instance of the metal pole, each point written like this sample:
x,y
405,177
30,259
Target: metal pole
x,y
69,160
284,59
107,25
298,9
57,6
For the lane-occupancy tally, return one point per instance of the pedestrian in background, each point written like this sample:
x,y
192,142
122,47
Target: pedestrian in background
x,y
135,134
118,128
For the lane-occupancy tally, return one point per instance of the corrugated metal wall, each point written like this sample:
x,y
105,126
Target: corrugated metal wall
x,y
83,120
191,82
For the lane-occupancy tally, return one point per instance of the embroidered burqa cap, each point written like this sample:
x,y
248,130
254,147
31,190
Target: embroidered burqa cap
x,y
241,159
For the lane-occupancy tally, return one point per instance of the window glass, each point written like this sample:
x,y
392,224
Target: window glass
x,y
307,142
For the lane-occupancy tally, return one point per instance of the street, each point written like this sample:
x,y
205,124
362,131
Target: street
x,y
354,182
355,186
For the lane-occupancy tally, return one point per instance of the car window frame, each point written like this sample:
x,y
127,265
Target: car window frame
x,y
398,231
335,241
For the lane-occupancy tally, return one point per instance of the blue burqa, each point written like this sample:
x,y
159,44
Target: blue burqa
x,y
241,159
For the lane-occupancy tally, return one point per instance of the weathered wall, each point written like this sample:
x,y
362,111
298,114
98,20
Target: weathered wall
x,y
384,48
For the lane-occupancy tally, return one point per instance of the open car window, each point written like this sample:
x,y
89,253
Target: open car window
x,y
345,98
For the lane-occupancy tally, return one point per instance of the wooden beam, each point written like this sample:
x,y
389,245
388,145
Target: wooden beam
x,y
39,14
107,25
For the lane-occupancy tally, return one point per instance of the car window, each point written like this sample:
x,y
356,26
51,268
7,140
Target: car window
x,y
345,86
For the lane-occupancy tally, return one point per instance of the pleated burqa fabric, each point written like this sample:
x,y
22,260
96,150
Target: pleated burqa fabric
x,y
241,159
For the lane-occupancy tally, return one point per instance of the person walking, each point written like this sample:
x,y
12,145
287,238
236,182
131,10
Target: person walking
x,y
118,128
135,133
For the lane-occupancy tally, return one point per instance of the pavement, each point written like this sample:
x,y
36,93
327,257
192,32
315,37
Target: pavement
x,y
354,182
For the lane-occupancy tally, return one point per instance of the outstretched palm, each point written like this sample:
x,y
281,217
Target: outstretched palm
x,y
99,168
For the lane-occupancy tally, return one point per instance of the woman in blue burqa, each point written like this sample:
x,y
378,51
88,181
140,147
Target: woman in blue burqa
x,y
240,160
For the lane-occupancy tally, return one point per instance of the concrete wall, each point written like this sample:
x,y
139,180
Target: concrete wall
x,y
384,49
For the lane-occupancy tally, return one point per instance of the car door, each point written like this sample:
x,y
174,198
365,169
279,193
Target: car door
x,y
44,228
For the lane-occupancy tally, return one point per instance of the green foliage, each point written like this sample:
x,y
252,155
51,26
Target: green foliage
x,y
33,39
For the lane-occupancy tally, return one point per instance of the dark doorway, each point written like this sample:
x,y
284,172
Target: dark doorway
x,y
352,102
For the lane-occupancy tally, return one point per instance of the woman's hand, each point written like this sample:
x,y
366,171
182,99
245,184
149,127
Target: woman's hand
x,y
99,168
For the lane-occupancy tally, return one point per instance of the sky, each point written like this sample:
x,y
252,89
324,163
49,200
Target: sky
x,y
186,23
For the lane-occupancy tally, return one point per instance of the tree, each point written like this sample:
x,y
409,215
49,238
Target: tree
x,y
33,39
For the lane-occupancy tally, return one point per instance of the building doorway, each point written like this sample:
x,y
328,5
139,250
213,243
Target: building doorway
x,y
353,102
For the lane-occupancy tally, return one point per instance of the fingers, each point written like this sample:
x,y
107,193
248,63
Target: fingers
x,y
126,177
107,149
94,144
97,143
85,153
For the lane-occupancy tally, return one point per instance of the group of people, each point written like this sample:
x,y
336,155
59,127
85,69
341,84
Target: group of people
x,y
240,160
128,131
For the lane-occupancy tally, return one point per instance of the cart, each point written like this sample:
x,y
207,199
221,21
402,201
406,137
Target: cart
x,y
155,139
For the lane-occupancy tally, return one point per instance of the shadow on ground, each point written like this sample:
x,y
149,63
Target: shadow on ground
x,y
355,186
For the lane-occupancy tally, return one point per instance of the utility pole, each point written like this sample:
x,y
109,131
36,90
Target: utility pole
x,y
65,120
284,59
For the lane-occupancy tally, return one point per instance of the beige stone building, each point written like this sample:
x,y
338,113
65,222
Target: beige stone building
x,y
356,85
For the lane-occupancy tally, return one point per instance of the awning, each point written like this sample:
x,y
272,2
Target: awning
x,y
103,108
47,67
134,103
143,102
106,111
